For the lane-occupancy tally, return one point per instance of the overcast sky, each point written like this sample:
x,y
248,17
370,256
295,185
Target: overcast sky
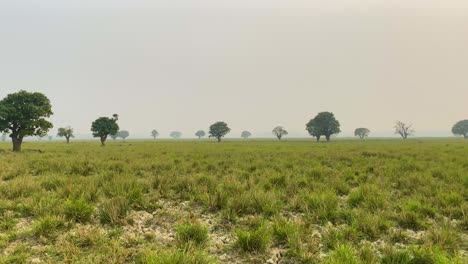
x,y
184,64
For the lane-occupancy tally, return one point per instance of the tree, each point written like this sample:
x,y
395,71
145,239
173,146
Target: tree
x,y
123,134
461,128
219,130
24,114
4,136
105,126
50,137
66,132
279,132
403,129
114,136
175,134
246,134
154,133
200,134
362,132
323,124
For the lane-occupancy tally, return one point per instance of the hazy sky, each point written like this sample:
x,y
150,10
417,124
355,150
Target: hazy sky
x,y
184,64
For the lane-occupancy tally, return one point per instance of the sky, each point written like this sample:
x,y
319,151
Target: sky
x,y
255,64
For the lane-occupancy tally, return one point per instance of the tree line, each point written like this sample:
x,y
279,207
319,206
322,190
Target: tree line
x,y
25,114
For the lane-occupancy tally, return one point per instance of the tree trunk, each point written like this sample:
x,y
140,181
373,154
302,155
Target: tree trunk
x,y
103,141
219,139
318,138
68,140
327,137
17,144
465,136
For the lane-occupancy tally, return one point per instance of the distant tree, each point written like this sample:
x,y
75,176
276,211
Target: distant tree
x,y
200,134
362,132
50,137
246,134
24,114
323,124
175,134
4,136
219,130
154,133
123,134
403,129
279,132
461,128
66,132
114,136
105,126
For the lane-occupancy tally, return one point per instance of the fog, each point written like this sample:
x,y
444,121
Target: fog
x,y
184,64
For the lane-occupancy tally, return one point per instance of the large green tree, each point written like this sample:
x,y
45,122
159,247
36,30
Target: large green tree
x,y
66,132
461,128
24,114
219,130
105,126
323,124
361,132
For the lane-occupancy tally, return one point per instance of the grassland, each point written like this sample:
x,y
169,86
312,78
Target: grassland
x,y
235,202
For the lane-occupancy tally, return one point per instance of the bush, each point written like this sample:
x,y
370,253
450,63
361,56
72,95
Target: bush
x,y
45,226
78,210
113,211
174,257
283,230
253,241
188,234
342,254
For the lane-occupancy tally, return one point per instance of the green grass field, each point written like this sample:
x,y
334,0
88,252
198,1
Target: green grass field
x,y
348,201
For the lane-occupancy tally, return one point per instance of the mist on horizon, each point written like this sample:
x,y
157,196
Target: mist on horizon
x,y
255,64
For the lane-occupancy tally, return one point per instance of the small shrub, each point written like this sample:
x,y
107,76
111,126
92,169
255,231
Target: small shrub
x,y
323,206
342,254
188,234
47,225
253,241
283,230
78,210
7,221
114,210
176,256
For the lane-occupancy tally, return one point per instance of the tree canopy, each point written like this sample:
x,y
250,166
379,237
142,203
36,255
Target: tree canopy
x,y
323,124
123,134
461,128
200,134
361,132
246,134
219,130
175,134
154,133
66,132
105,126
24,114
279,132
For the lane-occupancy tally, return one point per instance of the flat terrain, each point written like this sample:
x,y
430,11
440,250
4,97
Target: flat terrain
x,y
348,201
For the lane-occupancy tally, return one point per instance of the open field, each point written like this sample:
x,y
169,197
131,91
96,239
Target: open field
x,y
388,201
